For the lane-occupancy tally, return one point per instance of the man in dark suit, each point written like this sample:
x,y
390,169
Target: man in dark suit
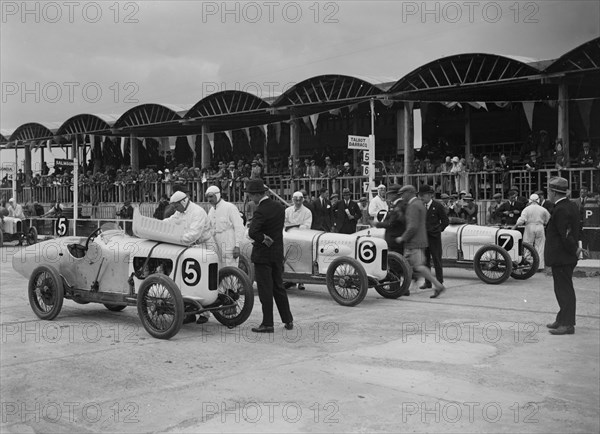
x,y
545,203
436,221
266,229
347,214
322,212
560,253
510,210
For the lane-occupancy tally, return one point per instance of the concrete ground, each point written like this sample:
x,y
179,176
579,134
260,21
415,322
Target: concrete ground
x,y
478,359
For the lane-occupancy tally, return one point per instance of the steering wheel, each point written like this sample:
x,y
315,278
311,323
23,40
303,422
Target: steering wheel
x,y
91,237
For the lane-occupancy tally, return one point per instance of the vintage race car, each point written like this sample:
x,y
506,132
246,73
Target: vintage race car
x,y
347,264
165,281
495,253
13,229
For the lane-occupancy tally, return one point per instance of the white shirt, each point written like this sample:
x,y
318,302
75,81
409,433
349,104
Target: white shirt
x,y
197,228
534,214
226,223
301,216
16,212
377,204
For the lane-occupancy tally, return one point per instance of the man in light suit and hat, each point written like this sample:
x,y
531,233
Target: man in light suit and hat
x,y
560,253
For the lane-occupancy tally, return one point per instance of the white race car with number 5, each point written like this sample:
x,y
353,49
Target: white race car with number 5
x,y
347,264
165,281
495,253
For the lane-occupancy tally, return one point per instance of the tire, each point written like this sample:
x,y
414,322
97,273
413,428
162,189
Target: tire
x,y
32,236
492,264
247,267
347,281
45,292
399,276
234,286
529,264
160,306
115,307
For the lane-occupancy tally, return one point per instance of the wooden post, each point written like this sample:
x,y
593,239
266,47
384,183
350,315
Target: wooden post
x,y
134,153
407,138
205,153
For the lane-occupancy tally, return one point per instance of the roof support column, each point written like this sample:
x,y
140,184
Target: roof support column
x,y
407,130
27,164
205,153
134,153
294,139
563,115
467,130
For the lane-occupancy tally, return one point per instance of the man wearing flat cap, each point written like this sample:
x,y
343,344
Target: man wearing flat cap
x,y
560,253
436,221
510,210
414,237
395,221
492,217
266,230
347,214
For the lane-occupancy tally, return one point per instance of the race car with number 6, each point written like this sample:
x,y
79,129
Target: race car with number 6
x,y
347,264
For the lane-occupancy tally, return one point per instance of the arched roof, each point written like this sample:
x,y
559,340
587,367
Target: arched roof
x,y
87,123
149,114
226,103
586,56
462,69
35,131
4,137
326,89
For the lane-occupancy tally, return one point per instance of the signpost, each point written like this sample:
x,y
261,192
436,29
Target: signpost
x,y
367,145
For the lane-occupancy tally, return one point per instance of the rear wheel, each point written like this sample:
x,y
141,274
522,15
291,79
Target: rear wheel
x,y
398,278
235,290
347,281
45,292
160,306
529,264
246,266
492,264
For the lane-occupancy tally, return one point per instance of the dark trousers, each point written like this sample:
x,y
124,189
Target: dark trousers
x,y
269,279
565,293
433,253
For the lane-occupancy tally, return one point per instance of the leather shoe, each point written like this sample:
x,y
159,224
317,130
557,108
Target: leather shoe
x,y
437,292
425,286
301,286
263,329
289,325
189,319
563,330
553,325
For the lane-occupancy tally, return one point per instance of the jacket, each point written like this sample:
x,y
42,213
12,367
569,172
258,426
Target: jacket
x,y
343,224
268,219
562,234
436,219
415,236
322,215
395,225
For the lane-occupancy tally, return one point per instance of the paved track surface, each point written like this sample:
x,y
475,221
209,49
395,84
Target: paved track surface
x,y
478,359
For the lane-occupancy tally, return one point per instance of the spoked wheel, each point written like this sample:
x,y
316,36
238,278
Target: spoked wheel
x,y
235,289
32,236
492,264
246,266
529,264
115,307
347,281
45,292
160,306
398,278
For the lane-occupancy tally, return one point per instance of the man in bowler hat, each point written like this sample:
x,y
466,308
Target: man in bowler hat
x,y
347,214
436,221
560,253
266,230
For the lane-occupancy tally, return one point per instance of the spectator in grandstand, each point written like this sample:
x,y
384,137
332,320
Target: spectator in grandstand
x,y
429,169
587,157
504,166
378,203
313,173
469,210
459,172
561,159
256,170
330,173
445,170
159,212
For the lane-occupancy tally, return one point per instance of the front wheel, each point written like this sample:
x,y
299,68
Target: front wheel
x,y
347,281
45,292
492,264
235,289
398,278
529,263
160,306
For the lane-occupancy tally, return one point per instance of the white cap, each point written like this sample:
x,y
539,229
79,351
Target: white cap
x,y
178,196
213,189
347,164
160,172
298,194
12,199
166,170
534,198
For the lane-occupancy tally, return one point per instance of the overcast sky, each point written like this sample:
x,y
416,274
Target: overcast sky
x,y
177,52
